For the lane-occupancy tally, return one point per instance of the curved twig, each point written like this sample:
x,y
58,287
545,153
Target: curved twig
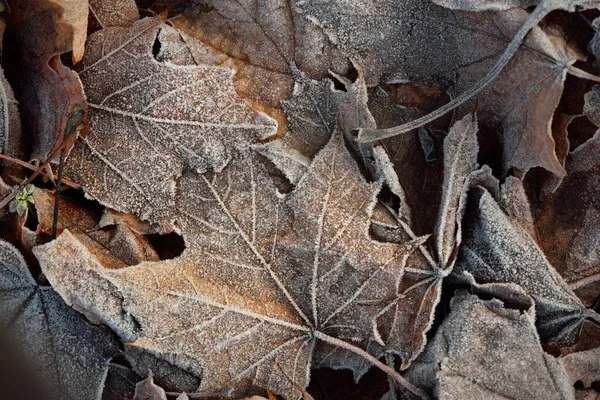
x,y
371,135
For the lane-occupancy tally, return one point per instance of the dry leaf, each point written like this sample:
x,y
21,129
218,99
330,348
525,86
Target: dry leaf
x,y
10,121
494,249
384,44
49,92
264,41
484,5
148,390
568,222
168,118
110,13
75,13
583,366
68,354
256,286
485,351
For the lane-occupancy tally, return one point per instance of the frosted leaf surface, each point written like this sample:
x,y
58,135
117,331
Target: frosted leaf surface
x,y
312,119
148,390
583,366
262,278
485,351
110,13
10,121
149,120
494,249
460,159
67,353
484,5
383,36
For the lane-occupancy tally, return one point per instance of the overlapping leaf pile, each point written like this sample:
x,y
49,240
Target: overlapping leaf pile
x,y
461,258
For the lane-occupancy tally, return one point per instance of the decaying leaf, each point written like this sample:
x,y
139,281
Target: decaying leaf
x,y
520,118
68,354
49,92
10,121
75,13
583,366
111,13
483,350
494,249
260,291
148,390
264,42
151,120
568,222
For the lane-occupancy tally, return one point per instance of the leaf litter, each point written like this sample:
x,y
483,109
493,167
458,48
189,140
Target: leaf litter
x,y
324,226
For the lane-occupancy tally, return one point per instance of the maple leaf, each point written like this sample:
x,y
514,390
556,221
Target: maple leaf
x,y
467,358
264,41
68,354
538,68
151,120
494,249
258,288
567,222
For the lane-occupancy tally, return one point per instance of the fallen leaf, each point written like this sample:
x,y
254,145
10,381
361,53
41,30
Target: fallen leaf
x,y
168,118
384,45
249,308
264,41
10,121
111,13
48,92
582,366
75,13
120,383
494,249
68,354
484,5
567,222
484,350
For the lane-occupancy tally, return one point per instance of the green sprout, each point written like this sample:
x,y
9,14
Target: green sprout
x,y
22,200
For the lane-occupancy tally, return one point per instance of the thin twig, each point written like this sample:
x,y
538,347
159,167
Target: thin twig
x,y
61,165
385,368
371,135
31,167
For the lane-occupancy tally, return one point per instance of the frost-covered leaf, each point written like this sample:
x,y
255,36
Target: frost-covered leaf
x,y
484,5
494,249
460,159
483,350
68,354
583,366
568,222
148,390
266,284
311,114
150,120
111,13
10,121
384,44
265,41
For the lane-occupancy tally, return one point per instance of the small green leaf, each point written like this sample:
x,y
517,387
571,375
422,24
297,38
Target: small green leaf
x,y
21,208
13,205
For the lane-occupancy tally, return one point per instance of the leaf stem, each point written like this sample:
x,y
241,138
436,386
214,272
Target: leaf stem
x,y
371,135
582,74
385,368
30,167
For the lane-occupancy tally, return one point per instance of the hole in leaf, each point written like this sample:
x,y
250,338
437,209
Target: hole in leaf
x,y
352,73
326,384
167,246
156,46
337,84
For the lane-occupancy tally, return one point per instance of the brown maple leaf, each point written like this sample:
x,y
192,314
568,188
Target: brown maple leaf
x,y
266,284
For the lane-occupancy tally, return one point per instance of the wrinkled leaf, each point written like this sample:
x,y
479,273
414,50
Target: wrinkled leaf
x,y
75,13
494,249
256,285
583,366
264,41
384,45
151,120
48,92
68,354
485,351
